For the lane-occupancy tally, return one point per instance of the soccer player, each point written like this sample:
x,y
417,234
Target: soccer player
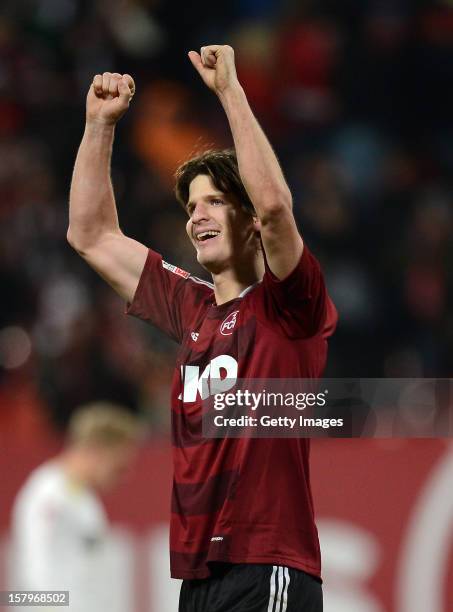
x,y
59,525
242,532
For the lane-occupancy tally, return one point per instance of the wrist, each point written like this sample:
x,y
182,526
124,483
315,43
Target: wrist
x,y
231,94
99,127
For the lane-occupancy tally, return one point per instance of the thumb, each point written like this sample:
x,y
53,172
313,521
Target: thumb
x,y
195,58
125,94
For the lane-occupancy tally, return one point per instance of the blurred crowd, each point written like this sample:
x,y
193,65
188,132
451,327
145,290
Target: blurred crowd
x,y
356,97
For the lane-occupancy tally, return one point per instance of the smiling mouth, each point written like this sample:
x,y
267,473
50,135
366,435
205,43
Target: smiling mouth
x,y
206,236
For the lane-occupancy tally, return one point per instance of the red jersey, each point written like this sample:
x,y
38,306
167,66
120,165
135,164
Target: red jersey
x,y
238,500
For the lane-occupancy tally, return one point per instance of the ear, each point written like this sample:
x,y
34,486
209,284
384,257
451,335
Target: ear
x,y
256,225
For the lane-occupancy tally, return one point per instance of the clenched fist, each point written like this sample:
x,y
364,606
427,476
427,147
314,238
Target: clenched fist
x,y
109,97
215,64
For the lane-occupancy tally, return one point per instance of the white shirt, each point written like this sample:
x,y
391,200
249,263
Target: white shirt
x,y
59,532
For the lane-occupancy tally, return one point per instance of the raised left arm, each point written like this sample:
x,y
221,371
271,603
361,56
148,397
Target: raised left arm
x,y
258,165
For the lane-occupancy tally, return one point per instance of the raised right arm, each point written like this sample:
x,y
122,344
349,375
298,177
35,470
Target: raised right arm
x,y
94,230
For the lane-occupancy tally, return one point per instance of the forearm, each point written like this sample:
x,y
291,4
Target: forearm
x,y
92,209
258,165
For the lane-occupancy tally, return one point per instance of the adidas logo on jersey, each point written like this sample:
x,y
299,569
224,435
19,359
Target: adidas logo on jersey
x,y
194,336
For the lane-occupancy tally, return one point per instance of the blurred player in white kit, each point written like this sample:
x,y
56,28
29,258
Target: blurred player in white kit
x,y
59,524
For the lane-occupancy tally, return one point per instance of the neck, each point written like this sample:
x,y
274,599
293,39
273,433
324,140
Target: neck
x,y
230,283
76,467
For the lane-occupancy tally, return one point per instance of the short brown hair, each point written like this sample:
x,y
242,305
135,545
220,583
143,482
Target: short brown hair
x,y
222,167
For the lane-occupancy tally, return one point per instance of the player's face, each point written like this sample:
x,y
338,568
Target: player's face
x,y
112,464
220,230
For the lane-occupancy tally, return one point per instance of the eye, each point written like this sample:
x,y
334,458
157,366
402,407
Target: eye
x,y
217,202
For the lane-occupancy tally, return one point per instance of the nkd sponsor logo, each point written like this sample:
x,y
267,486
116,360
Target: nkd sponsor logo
x,y
219,376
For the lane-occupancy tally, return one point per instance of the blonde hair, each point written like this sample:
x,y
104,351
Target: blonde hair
x,y
104,424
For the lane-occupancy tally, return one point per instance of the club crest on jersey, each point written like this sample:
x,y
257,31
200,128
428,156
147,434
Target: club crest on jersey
x,y
175,269
227,325
194,336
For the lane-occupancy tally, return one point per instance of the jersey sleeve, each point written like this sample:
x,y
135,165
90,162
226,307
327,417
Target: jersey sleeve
x,y
39,531
299,305
165,297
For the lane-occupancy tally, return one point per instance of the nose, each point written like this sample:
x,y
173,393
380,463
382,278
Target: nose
x,y
199,212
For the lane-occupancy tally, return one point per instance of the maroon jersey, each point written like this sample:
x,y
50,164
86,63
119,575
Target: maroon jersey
x,y
238,500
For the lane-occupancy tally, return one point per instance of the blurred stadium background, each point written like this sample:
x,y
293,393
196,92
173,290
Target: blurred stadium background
x,y
357,98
